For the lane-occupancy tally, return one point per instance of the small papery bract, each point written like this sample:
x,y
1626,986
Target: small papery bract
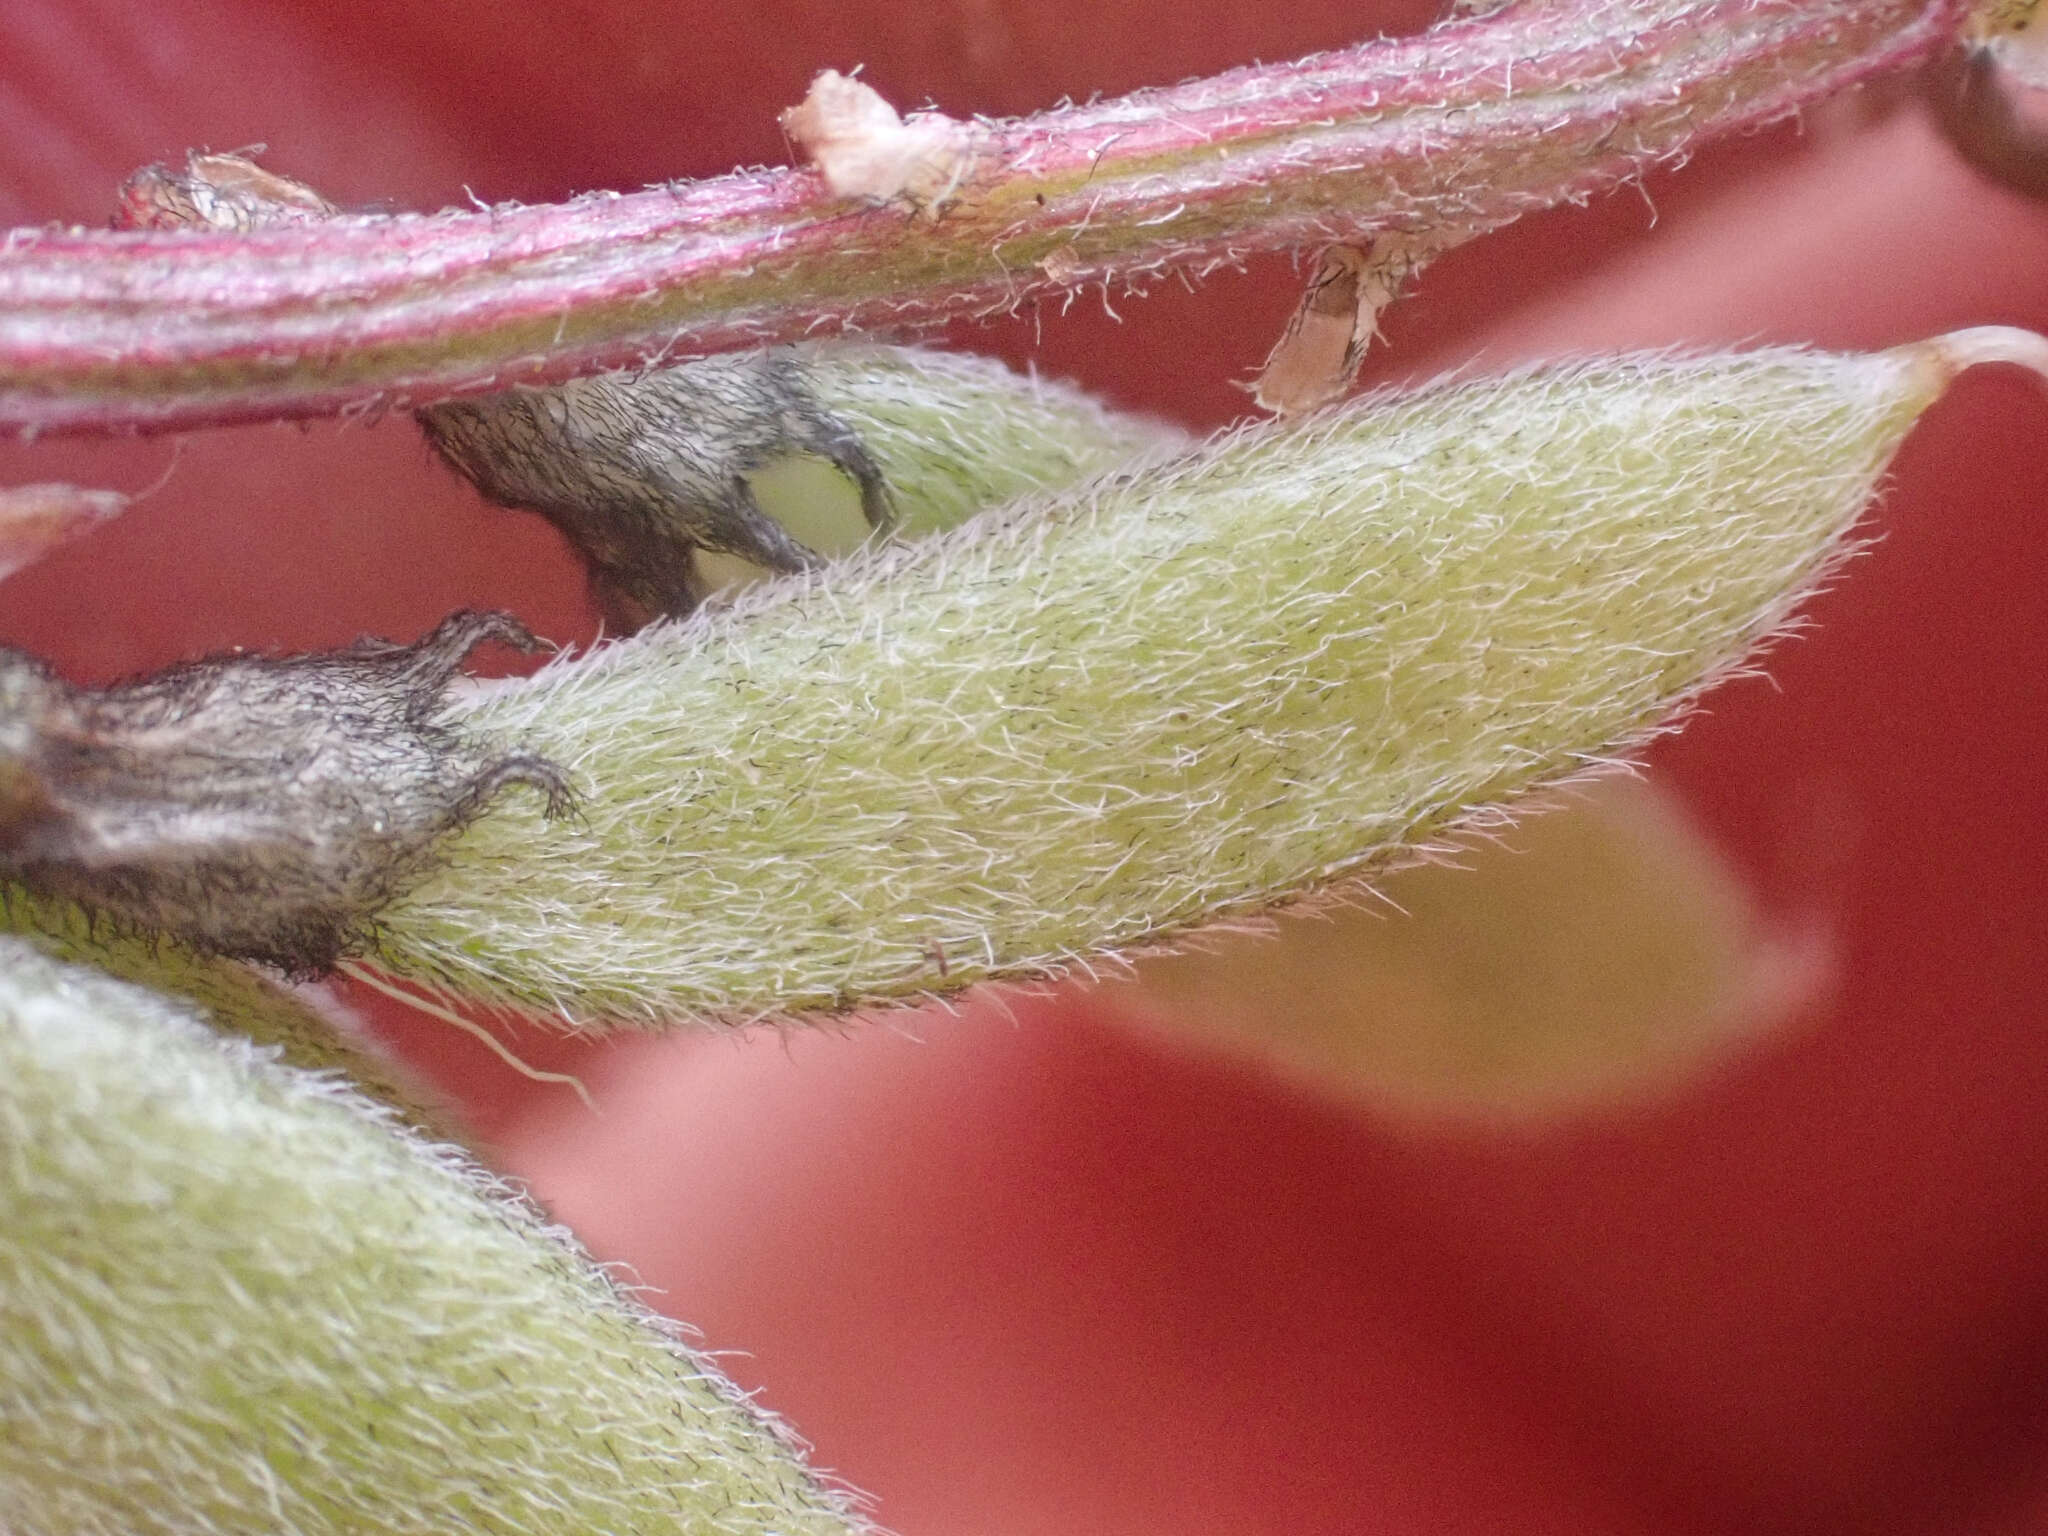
x,y
234,1297
34,519
1089,722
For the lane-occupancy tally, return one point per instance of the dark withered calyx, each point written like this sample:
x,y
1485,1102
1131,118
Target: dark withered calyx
x,y
261,807
641,471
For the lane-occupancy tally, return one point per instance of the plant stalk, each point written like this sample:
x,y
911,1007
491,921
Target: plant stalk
x,y
1453,132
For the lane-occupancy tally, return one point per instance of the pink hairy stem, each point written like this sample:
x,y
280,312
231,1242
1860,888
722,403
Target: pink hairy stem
x,y
1456,131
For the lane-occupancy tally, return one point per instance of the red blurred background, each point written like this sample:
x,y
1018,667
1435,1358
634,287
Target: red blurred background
x,y
1023,1270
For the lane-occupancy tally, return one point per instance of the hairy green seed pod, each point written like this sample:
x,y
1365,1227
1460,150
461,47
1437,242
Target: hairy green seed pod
x,y
235,1298
1089,722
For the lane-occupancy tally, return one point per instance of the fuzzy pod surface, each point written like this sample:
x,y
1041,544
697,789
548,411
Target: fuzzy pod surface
x,y
1091,721
235,1297
954,433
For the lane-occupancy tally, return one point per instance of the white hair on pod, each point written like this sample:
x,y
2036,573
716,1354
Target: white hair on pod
x,y
1093,720
238,1297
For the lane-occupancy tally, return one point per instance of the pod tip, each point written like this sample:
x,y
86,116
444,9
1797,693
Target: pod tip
x,y
1951,354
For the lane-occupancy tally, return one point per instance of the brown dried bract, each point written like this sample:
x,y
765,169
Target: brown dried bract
x,y
35,519
1060,264
264,808
864,148
230,192
1317,356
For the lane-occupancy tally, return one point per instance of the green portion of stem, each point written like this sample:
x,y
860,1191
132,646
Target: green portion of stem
x,y
1088,722
236,1298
